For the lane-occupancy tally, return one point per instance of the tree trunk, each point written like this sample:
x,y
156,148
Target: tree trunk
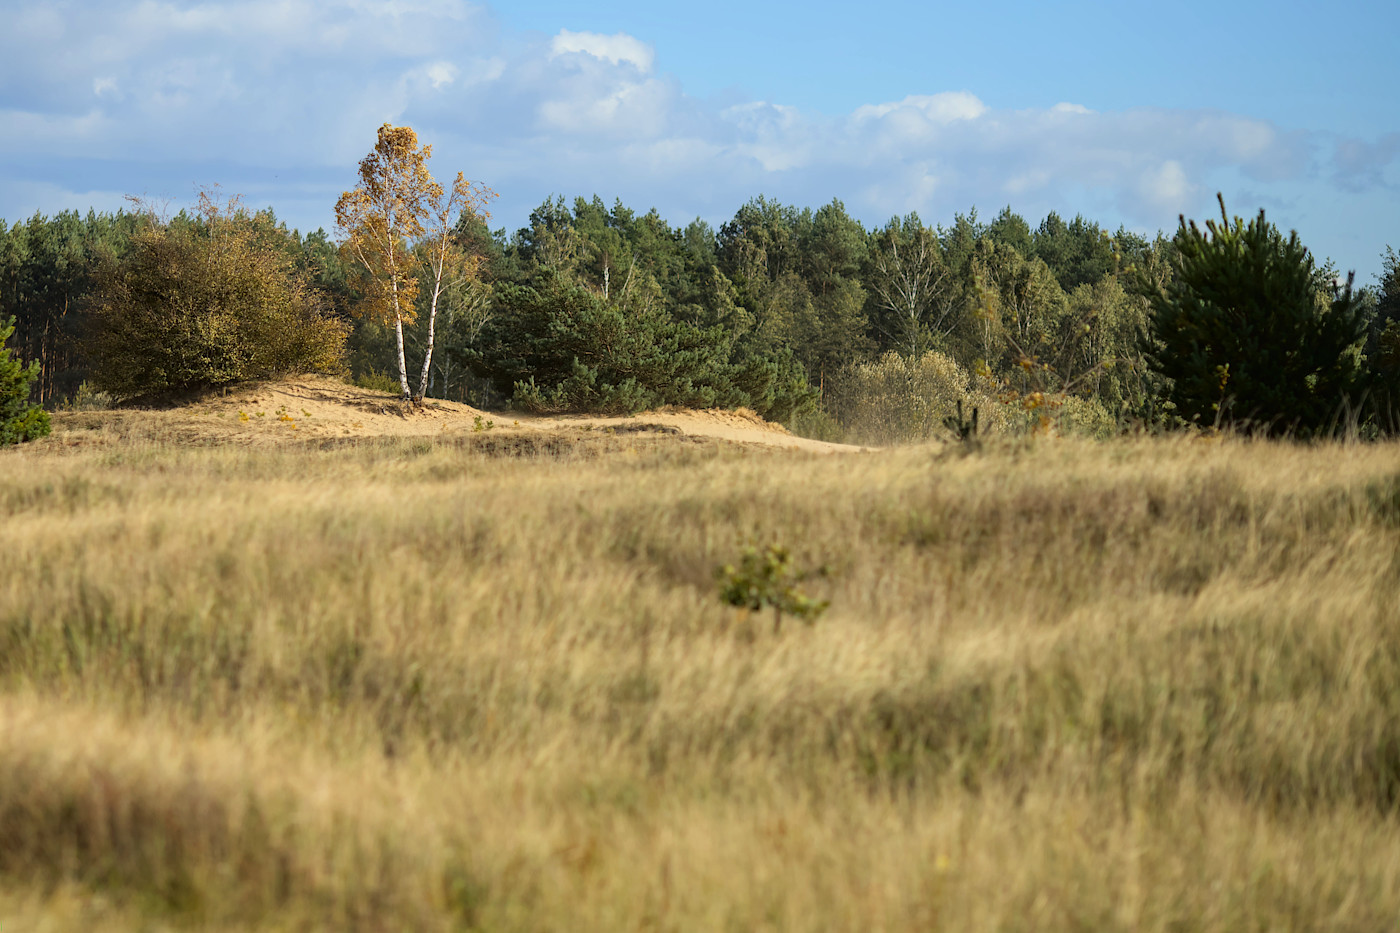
x,y
403,365
428,354
398,324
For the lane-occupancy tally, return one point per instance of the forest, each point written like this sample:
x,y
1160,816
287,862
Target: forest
x,y
806,316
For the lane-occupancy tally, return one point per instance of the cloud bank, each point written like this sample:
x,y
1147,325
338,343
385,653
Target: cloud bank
x,y
279,99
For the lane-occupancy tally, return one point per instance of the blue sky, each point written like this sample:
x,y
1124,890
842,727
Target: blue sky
x,y
1127,113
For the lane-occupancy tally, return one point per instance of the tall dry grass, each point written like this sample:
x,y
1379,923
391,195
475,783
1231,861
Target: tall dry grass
x,y
487,684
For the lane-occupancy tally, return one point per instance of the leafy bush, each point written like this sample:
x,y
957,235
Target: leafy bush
x,y
767,579
1247,333
19,420
1086,417
896,399
86,398
377,381
816,423
562,347
205,302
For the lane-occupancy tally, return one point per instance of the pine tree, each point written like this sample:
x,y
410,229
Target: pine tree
x,y
19,420
1249,336
1383,346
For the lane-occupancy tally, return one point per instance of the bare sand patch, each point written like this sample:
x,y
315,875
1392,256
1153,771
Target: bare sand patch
x,y
321,407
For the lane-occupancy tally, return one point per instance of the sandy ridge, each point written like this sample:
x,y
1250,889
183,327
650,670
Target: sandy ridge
x,y
321,407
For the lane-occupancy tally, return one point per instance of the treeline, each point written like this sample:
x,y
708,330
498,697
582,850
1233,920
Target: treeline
x,y
877,334
859,312
811,318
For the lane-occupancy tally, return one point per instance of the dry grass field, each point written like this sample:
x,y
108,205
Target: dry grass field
x,y
482,680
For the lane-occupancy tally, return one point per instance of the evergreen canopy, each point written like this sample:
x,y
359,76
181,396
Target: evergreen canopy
x,y
1248,334
19,420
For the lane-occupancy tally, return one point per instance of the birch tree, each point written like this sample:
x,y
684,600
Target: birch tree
x,y
449,267
911,283
396,219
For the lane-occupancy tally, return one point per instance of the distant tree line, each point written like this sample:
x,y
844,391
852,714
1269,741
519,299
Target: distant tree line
x,y
804,315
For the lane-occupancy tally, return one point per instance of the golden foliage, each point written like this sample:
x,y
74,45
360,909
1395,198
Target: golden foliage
x,y
397,204
381,218
208,301
899,400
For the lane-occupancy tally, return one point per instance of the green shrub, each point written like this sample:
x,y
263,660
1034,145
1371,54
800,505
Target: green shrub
x,y
1247,334
817,424
896,399
19,420
1086,417
86,398
1057,413
766,579
206,302
378,381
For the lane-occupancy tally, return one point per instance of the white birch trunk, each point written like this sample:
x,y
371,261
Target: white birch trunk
x,y
439,268
432,330
403,365
398,324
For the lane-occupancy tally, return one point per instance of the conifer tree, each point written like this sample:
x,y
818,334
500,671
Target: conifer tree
x,y
19,420
1247,336
1383,346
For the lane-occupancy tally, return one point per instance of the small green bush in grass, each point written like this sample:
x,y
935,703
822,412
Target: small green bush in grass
x,y
767,579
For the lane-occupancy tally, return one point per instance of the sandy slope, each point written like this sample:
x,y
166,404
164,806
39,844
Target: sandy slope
x,y
320,407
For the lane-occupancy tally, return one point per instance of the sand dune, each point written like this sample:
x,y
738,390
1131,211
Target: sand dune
x,y
323,407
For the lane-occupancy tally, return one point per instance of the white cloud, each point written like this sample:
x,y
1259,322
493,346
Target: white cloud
x,y
270,90
625,108
441,74
1167,187
667,157
942,108
913,185
23,132
775,137
617,48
